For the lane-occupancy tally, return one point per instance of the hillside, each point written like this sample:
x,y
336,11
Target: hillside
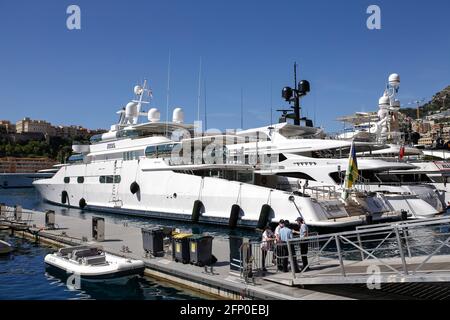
x,y
440,102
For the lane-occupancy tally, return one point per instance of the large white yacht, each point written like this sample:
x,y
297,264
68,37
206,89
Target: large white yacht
x,y
132,170
384,127
317,167
310,164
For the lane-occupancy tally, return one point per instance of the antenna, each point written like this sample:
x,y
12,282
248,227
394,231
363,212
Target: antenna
x,y
168,92
296,98
204,90
199,89
271,103
242,108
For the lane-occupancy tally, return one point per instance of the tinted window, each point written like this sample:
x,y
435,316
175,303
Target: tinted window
x,y
116,179
102,179
66,179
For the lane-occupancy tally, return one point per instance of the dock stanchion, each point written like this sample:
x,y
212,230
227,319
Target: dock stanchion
x,y
98,229
50,219
291,259
17,212
2,210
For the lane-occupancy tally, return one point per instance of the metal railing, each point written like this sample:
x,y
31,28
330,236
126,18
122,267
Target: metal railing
x,y
258,259
323,192
399,249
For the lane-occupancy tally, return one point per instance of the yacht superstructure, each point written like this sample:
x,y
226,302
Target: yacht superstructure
x,y
157,169
384,127
317,166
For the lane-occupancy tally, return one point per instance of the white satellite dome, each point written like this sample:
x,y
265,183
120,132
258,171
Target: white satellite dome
x,y
138,90
178,115
154,115
394,79
131,110
384,100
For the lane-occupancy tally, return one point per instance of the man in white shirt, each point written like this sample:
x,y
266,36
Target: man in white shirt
x,y
278,228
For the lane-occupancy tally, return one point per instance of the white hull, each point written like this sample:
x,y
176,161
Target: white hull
x,y
117,268
170,195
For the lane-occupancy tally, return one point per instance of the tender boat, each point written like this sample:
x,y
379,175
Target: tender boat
x,y
91,263
5,247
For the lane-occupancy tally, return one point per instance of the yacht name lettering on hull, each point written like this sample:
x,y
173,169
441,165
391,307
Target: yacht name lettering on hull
x,y
111,146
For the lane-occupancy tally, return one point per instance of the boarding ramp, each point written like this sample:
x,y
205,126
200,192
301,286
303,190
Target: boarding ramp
x,y
403,252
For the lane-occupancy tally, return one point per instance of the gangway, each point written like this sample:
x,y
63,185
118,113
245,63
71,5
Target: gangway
x,y
404,252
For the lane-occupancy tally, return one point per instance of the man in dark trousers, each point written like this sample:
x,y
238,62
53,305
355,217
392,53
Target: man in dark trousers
x,y
285,235
303,244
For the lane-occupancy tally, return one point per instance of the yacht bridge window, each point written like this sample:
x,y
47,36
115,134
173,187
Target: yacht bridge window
x,y
76,158
159,151
130,155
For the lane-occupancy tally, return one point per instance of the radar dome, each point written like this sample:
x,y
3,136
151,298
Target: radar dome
x,y
154,115
178,115
138,90
394,79
131,110
384,100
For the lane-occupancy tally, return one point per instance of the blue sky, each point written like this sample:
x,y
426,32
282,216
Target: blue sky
x,y
84,76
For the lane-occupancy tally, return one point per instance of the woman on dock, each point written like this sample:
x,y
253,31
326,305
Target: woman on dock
x,y
267,241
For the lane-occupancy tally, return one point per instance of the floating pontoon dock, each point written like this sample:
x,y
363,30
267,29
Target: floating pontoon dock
x,y
327,265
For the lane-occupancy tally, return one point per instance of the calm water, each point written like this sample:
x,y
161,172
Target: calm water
x,y
23,275
30,199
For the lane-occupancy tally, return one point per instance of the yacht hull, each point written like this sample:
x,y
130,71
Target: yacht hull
x,y
171,195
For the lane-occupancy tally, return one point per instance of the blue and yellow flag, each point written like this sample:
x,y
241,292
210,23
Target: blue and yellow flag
x,y
352,171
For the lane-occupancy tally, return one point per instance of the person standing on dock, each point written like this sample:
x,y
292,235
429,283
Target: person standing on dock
x,y
285,236
278,247
278,228
266,245
303,244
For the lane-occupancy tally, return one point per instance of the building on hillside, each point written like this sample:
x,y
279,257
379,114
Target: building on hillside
x,y
7,127
426,140
27,125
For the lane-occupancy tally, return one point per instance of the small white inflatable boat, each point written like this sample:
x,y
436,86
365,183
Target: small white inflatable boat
x,y
91,263
5,247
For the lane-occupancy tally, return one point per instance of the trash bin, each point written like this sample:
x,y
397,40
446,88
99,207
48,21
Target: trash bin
x,y
153,241
180,247
98,228
200,249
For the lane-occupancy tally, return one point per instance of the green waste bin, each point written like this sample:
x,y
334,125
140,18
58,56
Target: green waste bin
x,y
180,247
200,249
